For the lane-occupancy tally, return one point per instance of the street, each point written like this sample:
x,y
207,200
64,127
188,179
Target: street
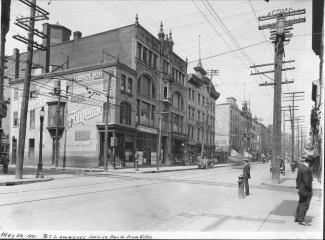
x,y
196,200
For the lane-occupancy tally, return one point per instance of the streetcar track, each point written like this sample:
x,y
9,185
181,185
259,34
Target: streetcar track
x,y
76,194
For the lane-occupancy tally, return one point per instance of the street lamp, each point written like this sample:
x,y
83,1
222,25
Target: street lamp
x,y
40,164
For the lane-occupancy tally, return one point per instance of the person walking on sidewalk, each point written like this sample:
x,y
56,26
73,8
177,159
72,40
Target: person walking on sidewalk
x,y
246,175
304,185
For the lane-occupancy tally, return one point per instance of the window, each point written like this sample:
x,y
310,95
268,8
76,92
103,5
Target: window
x,y
193,113
165,92
145,53
154,64
139,49
189,112
178,101
32,119
198,115
125,111
198,134
152,116
166,66
203,117
129,85
193,96
144,113
150,58
145,86
203,100
198,98
177,123
139,85
123,82
15,119
16,92
189,93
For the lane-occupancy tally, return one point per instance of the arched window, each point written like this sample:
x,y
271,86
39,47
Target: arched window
x,y
178,101
125,113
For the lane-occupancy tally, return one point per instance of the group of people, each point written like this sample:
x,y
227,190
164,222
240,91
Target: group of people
x,y
304,181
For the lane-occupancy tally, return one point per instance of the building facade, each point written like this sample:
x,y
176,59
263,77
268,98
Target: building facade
x,y
201,98
144,78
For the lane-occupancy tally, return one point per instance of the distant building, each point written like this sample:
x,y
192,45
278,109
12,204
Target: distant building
x,y
231,127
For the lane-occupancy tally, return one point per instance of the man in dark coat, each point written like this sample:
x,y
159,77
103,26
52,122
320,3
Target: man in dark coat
x,y
246,175
304,185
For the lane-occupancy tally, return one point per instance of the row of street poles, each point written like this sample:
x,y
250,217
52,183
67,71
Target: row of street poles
x,y
39,173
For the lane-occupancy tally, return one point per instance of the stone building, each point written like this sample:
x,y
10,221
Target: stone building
x,y
144,78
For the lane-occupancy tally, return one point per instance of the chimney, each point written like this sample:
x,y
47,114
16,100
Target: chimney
x,y
16,59
77,35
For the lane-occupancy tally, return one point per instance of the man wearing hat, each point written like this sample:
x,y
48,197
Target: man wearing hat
x,y
246,175
304,185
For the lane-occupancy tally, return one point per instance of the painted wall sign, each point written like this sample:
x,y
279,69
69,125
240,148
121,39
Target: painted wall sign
x,y
82,135
82,115
88,76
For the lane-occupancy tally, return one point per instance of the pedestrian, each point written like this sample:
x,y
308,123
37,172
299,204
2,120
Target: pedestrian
x,y
246,175
305,191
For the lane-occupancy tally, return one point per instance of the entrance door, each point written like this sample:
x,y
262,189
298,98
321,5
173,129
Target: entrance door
x,y
31,150
101,149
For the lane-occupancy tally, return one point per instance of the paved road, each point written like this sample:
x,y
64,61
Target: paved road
x,y
197,200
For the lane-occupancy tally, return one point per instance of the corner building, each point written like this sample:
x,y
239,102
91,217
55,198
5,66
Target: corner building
x,y
145,79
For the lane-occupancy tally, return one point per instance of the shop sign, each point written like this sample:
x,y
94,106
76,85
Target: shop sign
x,y
82,115
88,76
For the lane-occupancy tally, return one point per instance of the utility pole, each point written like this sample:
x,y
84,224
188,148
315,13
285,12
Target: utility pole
x,y
212,72
22,22
293,97
57,122
279,35
106,110
284,137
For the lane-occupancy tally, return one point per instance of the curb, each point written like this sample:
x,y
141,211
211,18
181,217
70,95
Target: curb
x,y
24,181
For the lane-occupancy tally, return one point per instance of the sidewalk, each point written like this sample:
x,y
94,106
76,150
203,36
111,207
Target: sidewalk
x,y
51,174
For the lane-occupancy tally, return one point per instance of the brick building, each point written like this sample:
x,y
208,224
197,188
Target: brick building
x,y
201,110
145,78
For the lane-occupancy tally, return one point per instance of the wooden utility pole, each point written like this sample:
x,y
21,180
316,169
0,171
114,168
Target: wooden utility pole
x,y
106,110
212,72
22,22
293,97
279,35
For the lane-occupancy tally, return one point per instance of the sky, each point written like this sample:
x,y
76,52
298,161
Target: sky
x,y
221,26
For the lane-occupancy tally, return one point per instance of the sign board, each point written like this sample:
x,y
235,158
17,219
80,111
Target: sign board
x,y
3,109
153,158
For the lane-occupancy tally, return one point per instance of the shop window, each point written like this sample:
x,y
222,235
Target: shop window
x,y
32,119
125,113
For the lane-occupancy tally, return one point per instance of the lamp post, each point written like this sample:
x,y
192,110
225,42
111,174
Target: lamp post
x,y
40,164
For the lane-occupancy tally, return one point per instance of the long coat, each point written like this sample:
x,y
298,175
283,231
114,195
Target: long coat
x,y
304,180
246,171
